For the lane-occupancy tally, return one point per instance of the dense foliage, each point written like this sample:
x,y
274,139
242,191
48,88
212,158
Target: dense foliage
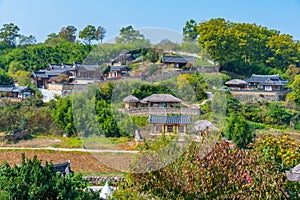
x,y
225,172
31,180
245,48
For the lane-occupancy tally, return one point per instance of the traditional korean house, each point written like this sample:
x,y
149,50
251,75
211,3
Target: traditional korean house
x,y
87,73
266,82
236,84
122,59
42,77
20,92
130,102
169,124
117,72
178,61
161,100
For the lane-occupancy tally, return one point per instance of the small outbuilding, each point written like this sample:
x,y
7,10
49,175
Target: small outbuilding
x,y
130,102
236,84
169,124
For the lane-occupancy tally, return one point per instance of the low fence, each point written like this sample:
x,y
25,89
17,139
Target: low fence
x,y
163,111
17,134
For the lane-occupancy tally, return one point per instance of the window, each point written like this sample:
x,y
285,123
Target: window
x,y
181,129
170,128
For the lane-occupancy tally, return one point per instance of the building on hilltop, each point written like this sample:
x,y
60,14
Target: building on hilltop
x,y
116,72
266,82
259,87
178,61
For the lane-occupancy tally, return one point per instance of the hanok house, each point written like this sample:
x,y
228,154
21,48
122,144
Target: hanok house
x,y
117,72
161,100
266,82
122,59
87,73
20,92
236,84
42,77
169,124
178,61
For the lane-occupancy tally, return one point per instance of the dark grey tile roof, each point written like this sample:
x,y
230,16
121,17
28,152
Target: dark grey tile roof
x,y
11,88
118,68
266,79
178,59
161,98
157,119
6,88
89,67
130,98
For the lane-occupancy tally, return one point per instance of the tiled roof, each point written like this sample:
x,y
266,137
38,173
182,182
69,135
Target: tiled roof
x,y
11,88
157,119
118,68
266,79
161,98
178,59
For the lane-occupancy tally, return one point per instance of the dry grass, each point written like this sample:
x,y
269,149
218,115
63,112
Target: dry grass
x,y
80,161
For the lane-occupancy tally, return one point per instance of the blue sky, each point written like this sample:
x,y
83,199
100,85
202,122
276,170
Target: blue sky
x,y
42,17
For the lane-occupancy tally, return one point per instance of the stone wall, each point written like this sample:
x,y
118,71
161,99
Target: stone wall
x,y
259,95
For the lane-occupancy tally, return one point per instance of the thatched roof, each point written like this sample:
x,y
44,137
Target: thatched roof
x,y
161,98
130,98
236,82
294,174
201,125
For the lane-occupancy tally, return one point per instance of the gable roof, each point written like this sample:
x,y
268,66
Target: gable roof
x,y
157,119
161,98
12,88
178,59
118,68
130,98
266,79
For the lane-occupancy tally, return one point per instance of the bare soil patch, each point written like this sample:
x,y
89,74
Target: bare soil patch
x,y
80,161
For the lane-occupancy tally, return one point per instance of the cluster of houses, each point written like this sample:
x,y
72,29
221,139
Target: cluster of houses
x,y
165,112
259,87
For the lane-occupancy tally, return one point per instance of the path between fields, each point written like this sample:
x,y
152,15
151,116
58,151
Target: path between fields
x,y
69,149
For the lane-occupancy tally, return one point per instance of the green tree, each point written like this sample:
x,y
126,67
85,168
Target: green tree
x,y
26,40
238,130
22,77
68,33
247,48
88,34
128,35
4,78
53,39
295,94
9,33
152,55
190,32
31,180
100,33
